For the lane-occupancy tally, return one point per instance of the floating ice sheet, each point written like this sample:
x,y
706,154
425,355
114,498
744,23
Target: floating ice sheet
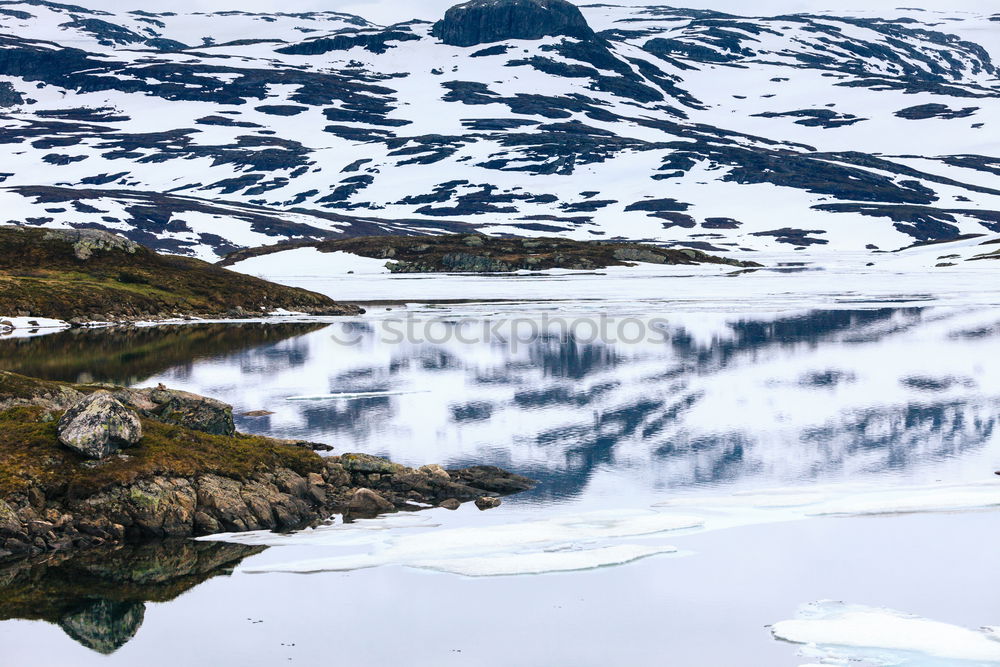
x,y
544,562
838,633
504,548
593,539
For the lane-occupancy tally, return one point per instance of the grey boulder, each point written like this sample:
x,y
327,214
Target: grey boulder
x,y
98,426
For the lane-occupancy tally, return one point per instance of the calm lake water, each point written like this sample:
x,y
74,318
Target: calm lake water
x,y
794,438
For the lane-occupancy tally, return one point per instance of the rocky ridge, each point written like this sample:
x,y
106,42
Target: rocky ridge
x,y
477,253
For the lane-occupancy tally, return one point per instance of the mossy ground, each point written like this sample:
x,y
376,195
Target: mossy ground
x,y
44,277
30,453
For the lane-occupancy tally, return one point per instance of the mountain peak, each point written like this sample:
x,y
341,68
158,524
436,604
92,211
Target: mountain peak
x,y
484,21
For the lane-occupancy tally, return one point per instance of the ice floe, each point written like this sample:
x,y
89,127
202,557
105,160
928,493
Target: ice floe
x,y
835,633
515,548
578,541
18,327
544,562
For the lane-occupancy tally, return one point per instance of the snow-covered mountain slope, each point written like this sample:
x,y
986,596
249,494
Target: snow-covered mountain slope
x,y
202,133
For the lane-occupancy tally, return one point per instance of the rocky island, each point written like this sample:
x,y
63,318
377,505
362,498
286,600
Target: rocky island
x,y
478,253
91,465
81,275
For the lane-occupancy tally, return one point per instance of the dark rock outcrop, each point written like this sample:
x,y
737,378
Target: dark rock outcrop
x,y
99,426
485,21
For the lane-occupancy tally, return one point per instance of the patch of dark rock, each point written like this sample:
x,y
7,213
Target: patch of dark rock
x,y
924,111
497,50
281,109
587,206
223,121
9,97
824,118
60,159
162,44
494,124
798,237
675,220
721,223
376,42
658,205
107,34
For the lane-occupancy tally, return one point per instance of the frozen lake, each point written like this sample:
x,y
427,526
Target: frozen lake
x,y
711,461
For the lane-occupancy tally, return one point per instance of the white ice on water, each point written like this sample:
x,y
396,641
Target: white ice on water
x,y
835,633
545,562
529,547
576,541
18,327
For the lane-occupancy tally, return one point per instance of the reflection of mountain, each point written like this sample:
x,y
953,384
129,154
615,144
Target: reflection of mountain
x,y
795,397
128,355
98,596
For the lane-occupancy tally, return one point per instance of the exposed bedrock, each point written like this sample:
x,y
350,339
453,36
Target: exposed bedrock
x,y
485,21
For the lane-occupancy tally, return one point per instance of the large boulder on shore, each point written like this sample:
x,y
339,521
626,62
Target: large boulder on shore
x,y
368,503
98,426
181,408
485,21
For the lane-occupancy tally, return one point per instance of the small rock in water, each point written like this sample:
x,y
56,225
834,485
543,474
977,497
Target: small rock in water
x,y
450,504
366,502
98,426
488,503
257,413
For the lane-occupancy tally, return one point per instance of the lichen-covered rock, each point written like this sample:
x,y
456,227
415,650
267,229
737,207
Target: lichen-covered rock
x,y
485,21
366,463
181,408
492,479
98,426
87,241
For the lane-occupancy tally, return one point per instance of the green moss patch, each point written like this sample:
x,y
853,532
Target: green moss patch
x,y
30,453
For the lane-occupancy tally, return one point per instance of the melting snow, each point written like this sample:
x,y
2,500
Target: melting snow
x,y
838,633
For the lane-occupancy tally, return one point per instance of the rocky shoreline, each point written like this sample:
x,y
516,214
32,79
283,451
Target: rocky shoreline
x,y
189,473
